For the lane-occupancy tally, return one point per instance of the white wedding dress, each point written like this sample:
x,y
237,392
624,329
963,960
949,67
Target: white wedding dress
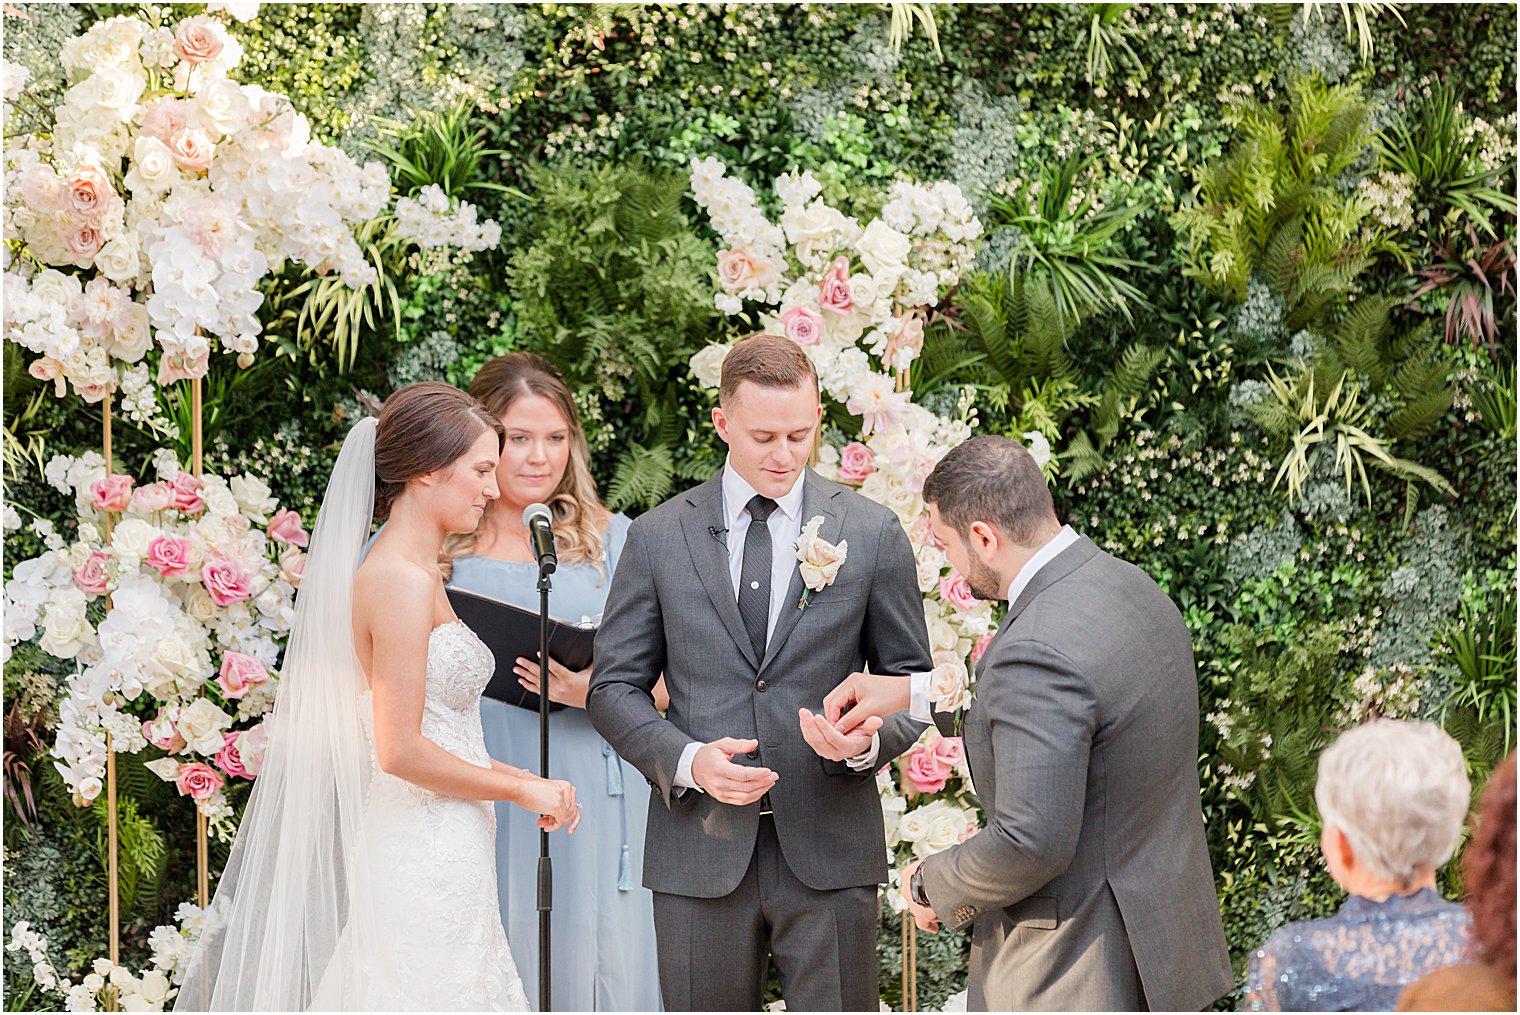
x,y
435,942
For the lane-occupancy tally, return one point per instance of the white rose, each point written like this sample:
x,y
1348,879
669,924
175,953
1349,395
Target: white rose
x,y
133,335
199,605
944,831
219,498
56,288
819,560
884,252
707,365
65,633
117,89
118,259
253,497
202,725
166,769
913,826
153,166
220,106
949,686
131,537
173,657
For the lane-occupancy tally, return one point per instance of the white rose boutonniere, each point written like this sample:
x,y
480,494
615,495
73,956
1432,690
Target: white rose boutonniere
x,y
818,560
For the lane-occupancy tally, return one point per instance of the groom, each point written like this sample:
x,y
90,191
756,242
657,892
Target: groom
x,y
765,838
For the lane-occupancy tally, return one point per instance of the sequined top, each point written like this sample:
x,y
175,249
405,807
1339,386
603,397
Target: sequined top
x,y
1360,958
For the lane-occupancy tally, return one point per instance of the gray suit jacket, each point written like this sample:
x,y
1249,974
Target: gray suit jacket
x,y
672,609
1090,887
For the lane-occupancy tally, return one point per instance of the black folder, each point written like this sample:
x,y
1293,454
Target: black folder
x,y
509,632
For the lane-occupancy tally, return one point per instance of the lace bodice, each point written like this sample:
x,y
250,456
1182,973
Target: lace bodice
x,y
459,665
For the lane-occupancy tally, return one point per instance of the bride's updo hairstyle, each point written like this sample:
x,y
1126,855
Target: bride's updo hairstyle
x,y
424,427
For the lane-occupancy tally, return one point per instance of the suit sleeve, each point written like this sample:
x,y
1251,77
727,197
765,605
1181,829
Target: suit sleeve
x,y
630,656
895,638
1042,720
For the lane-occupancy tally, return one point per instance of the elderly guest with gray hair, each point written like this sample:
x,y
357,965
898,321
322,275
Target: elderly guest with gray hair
x,y
1392,796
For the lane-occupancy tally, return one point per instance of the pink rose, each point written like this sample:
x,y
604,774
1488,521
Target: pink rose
x,y
909,335
834,290
948,751
198,781
926,773
83,241
91,578
285,527
980,648
856,462
227,758
153,497
226,580
113,493
192,149
165,118
803,326
186,489
251,745
49,369
292,566
162,733
197,40
956,590
169,555
88,193
239,673
738,270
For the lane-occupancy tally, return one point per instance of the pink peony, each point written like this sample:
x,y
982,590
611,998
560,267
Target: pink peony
x,y
251,745
926,773
948,751
114,493
197,40
169,555
162,733
285,527
192,149
187,491
88,193
153,497
226,579
980,648
856,462
956,590
42,190
239,673
227,758
834,290
803,326
198,781
91,578
165,117
909,335
292,566
738,270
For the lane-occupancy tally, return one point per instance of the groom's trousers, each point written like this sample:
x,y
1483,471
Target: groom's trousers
x,y
713,952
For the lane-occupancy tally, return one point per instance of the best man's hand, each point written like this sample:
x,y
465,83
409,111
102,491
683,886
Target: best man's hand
x,y
830,744
924,917
862,695
714,772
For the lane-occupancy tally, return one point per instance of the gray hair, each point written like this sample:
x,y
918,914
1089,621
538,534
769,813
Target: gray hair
x,y
995,480
1399,792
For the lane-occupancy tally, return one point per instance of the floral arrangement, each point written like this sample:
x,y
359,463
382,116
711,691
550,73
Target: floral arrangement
x,y
201,576
431,220
167,190
856,299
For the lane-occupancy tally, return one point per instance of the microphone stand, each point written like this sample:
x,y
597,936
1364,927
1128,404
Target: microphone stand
x,y
545,869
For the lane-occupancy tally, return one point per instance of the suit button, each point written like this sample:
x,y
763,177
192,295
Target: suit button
x,y
754,754
761,685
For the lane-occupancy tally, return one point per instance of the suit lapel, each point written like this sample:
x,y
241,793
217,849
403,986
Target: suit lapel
x,y
709,555
817,499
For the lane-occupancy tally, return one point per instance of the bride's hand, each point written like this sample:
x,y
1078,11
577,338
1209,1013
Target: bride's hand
x,y
566,686
554,800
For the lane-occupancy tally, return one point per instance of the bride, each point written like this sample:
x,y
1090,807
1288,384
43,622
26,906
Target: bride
x,y
364,872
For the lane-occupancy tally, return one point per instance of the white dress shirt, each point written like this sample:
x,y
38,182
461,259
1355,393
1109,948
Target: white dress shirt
x,y
918,689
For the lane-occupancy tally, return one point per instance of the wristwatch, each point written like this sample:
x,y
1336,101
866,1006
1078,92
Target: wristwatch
x,y
916,887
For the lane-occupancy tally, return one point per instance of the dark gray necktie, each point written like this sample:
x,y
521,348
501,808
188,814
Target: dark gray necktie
x,y
755,573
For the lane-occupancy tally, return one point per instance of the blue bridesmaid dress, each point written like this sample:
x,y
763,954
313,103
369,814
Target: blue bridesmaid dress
x,y
603,947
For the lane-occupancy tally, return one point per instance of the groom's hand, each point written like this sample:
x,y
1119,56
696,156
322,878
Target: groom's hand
x,y
862,695
924,917
830,744
714,771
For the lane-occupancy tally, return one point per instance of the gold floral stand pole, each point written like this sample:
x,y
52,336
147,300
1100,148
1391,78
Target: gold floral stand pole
x,y
909,963
202,845
113,873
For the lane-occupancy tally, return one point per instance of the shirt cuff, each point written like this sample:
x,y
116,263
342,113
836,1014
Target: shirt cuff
x,y
862,762
683,779
919,706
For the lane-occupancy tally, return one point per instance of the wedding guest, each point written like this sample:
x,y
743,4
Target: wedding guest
x,y
1392,796
1487,981
603,922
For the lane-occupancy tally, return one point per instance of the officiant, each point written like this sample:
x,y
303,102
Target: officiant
x,y
603,921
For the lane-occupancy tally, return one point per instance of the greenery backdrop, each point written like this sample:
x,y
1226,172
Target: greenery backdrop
x,y
1251,268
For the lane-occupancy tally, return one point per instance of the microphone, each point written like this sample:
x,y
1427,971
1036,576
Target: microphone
x,y
537,519
718,534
